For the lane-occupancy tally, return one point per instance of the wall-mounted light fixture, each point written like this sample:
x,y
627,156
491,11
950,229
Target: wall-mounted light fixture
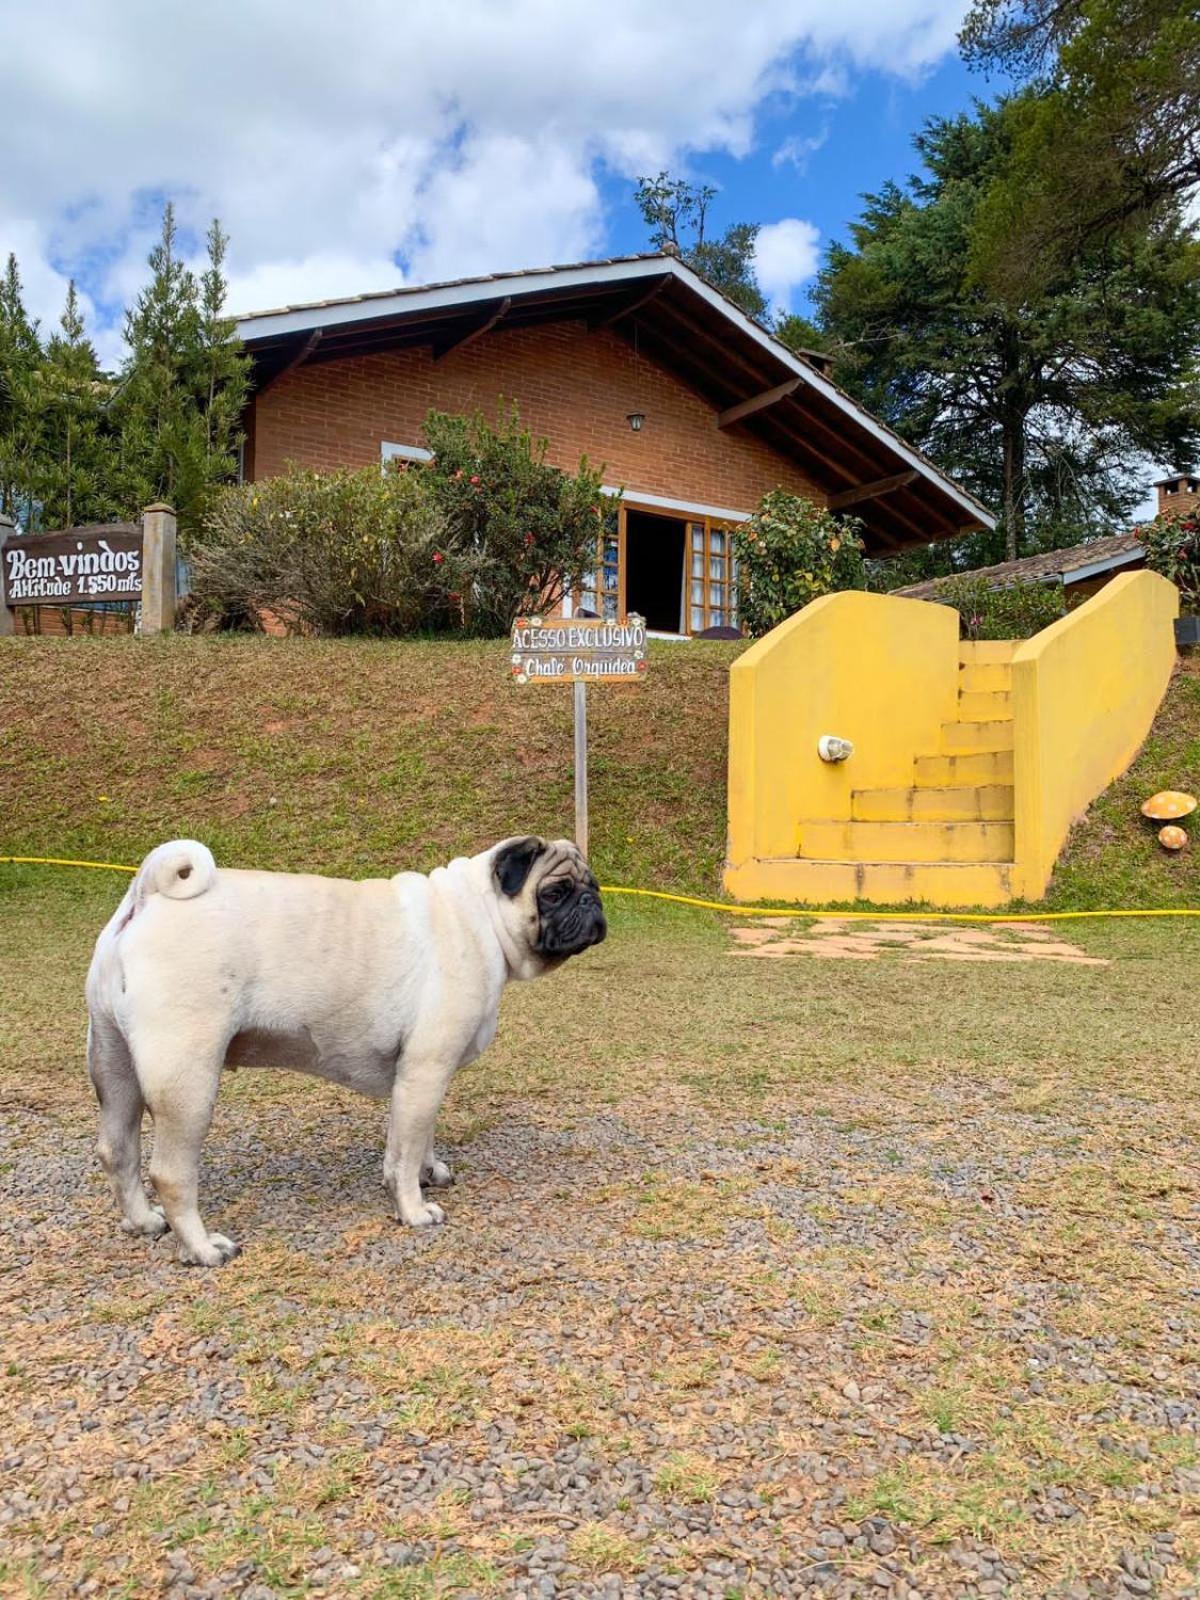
x,y
635,420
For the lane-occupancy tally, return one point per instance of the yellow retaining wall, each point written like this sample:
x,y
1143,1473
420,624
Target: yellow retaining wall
x,y
1085,692
872,668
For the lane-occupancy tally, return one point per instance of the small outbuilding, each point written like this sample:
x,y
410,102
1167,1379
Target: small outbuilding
x,y
1081,569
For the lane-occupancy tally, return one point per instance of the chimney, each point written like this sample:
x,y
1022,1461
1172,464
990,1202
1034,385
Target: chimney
x,y
1178,493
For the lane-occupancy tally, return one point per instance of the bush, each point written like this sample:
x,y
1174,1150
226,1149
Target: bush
x,y
987,613
1172,544
790,552
529,530
329,552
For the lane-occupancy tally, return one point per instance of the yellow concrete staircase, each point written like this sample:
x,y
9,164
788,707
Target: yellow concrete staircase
x,y
971,759
955,819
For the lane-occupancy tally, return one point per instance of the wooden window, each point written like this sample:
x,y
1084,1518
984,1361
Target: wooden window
x,y
604,592
711,576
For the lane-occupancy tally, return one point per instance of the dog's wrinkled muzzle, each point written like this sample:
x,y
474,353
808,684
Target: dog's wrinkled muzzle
x,y
574,927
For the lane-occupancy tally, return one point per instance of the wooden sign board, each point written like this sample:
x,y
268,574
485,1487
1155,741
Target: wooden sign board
x,y
100,562
578,650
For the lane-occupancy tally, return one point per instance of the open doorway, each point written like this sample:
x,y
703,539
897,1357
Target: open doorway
x,y
654,550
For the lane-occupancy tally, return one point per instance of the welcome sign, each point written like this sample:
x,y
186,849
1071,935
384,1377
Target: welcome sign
x,y
100,562
578,650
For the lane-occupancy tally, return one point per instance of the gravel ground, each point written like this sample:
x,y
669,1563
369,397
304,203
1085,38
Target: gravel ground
x,y
914,1335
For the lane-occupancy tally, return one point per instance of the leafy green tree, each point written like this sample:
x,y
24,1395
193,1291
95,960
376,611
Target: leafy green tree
x,y
183,385
20,356
676,212
72,477
1111,134
527,532
1044,402
800,334
792,551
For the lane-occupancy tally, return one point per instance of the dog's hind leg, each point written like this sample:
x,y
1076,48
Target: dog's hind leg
x,y
180,1083
110,1067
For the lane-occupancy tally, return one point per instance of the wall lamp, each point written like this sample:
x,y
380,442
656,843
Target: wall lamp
x,y
635,420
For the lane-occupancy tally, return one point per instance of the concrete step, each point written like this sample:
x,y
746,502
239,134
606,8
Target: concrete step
x,y
884,883
986,652
949,772
985,705
974,738
906,841
965,802
989,675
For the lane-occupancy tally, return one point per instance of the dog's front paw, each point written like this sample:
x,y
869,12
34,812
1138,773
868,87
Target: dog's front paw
x,y
215,1252
436,1175
423,1216
152,1226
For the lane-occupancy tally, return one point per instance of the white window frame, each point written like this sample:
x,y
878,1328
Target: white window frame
x,y
403,452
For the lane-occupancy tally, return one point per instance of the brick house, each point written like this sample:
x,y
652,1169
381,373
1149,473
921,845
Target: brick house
x,y
694,411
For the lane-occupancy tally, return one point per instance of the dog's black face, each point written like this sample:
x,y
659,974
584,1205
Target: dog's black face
x,y
570,915
556,885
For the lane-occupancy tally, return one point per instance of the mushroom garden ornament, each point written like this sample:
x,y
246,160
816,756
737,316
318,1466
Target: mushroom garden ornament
x,y
1168,805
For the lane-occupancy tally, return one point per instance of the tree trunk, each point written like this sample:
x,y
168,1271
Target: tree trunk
x,y
1014,484
1014,409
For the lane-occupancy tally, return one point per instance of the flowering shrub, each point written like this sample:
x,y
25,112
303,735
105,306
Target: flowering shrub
x,y
329,552
790,552
529,529
987,613
1172,544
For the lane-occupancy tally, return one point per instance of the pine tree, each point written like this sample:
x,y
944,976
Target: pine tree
x,y
184,383
20,355
224,374
73,448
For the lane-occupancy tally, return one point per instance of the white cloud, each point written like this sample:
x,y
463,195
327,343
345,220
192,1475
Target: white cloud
x,y
785,255
795,152
330,139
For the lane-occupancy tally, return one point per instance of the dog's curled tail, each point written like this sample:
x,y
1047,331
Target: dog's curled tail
x,y
179,870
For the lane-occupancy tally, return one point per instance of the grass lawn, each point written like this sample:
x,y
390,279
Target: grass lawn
x,y
791,1276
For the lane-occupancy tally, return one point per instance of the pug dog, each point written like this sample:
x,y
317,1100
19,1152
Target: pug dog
x,y
387,986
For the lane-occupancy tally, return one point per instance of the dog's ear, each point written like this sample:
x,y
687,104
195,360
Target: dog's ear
x,y
513,862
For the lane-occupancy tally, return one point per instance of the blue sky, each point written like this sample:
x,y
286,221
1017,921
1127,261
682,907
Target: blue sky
x,y
845,145
351,148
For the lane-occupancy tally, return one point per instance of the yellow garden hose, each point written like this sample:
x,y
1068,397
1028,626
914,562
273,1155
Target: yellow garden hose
x,y
747,911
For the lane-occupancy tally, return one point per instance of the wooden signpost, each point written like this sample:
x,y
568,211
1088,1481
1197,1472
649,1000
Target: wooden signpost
x,y
85,566
579,651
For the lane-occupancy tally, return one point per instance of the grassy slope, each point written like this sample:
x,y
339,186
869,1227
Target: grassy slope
x,y
353,757
1112,857
358,758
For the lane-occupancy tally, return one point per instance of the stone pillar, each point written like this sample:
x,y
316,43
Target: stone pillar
x,y
8,617
158,569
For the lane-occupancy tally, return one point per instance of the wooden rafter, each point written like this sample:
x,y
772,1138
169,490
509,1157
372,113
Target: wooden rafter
x,y
870,491
757,402
460,340
628,307
297,360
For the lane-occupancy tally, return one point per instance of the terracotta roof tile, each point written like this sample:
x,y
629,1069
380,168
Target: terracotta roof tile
x,y
1032,569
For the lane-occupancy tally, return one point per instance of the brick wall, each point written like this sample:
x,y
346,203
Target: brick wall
x,y
573,387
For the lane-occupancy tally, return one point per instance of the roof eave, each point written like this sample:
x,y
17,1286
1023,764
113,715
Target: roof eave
x,y
257,328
